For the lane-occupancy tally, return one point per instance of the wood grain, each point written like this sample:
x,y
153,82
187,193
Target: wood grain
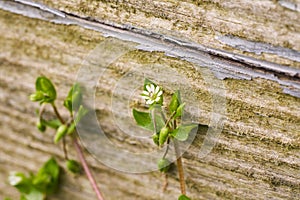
x,y
257,155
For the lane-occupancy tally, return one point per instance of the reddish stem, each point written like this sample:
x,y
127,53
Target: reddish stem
x,y
81,158
64,145
87,169
180,167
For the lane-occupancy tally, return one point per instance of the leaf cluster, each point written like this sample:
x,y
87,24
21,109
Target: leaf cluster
x,y
46,93
37,186
164,128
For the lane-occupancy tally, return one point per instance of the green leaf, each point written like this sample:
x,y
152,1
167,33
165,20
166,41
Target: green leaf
x,y
183,197
20,181
23,197
73,166
148,82
80,114
143,119
34,194
163,165
37,96
60,133
155,139
175,102
44,86
183,131
55,123
41,126
47,178
71,129
179,110
163,135
35,187
157,117
74,98
146,120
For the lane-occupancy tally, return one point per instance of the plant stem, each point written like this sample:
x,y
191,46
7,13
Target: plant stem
x,y
57,113
179,167
166,183
87,169
65,148
62,121
81,157
170,118
167,149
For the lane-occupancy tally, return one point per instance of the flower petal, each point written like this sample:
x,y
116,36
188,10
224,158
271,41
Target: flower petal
x,y
152,88
145,93
145,97
148,88
150,101
160,93
157,89
157,99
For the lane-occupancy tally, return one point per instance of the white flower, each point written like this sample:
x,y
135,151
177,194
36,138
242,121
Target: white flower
x,y
14,179
152,94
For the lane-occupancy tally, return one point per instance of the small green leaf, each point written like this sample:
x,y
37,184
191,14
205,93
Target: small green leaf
x,y
20,181
37,96
34,194
23,197
157,117
73,166
44,86
35,187
183,197
60,133
47,178
143,119
163,135
55,123
155,139
179,110
175,101
41,126
16,178
71,128
163,165
148,82
74,98
183,131
80,114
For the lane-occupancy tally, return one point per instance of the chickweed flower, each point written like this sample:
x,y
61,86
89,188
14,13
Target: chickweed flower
x,y
152,94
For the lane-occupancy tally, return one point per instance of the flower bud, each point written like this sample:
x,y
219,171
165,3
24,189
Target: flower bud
x,y
163,135
73,166
155,139
41,126
61,132
163,165
38,96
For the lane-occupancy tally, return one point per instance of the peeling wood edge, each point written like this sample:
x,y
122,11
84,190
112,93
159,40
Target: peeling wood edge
x,y
224,64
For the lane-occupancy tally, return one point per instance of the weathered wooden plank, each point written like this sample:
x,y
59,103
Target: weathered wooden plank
x,y
257,155
206,22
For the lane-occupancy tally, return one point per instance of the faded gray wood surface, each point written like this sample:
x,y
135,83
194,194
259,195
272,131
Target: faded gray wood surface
x,y
257,155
